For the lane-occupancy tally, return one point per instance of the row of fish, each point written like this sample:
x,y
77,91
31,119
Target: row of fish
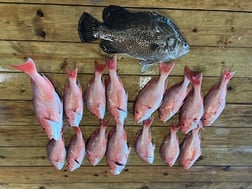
x,y
194,108
195,112
49,110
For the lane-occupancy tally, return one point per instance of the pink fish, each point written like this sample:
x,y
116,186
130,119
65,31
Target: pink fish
x,y
215,100
97,144
117,97
143,142
118,150
173,99
56,152
193,107
150,97
73,101
190,149
76,150
46,102
95,97
169,150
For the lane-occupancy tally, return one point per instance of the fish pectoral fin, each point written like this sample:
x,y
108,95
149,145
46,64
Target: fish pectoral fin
x,y
146,65
109,47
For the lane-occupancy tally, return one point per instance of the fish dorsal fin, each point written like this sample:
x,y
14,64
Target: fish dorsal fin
x,y
119,18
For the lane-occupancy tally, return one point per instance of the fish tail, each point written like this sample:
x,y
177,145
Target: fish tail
x,y
147,123
100,68
165,69
71,73
104,123
195,78
87,27
111,63
227,75
28,67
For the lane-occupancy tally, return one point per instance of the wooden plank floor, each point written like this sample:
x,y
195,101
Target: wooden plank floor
x,y
220,35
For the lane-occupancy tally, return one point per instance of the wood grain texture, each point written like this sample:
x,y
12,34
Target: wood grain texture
x,y
137,185
59,23
235,5
220,35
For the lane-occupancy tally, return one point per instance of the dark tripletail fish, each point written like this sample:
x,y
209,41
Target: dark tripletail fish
x,y
147,36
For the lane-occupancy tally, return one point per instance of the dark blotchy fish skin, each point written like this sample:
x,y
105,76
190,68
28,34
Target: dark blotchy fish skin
x,y
147,36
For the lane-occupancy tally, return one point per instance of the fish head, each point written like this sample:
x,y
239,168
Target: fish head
x,y
115,167
186,125
94,160
175,48
165,114
207,118
140,113
186,164
73,165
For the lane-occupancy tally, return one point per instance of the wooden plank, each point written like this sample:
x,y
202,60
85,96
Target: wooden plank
x,y
22,113
17,86
37,156
52,57
59,23
41,175
235,5
143,185
31,135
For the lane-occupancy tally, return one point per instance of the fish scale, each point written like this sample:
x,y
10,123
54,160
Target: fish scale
x,y
147,36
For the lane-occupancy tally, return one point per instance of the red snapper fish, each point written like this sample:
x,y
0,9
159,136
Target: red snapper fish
x,y
97,144
190,149
143,142
56,152
215,100
150,97
169,150
96,88
193,107
173,99
116,95
76,150
118,150
73,101
46,102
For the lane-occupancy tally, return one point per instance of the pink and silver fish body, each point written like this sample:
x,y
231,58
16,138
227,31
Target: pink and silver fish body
x,y
190,149
76,150
117,97
56,152
215,100
118,150
150,97
95,97
97,144
193,108
143,142
73,100
173,100
47,104
169,150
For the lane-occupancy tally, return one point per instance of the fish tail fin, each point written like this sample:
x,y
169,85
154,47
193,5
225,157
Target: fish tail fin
x,y
111,63
195,78
165,69
71,73
100,68
87,27
147,123
227,75
28,67
104,123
